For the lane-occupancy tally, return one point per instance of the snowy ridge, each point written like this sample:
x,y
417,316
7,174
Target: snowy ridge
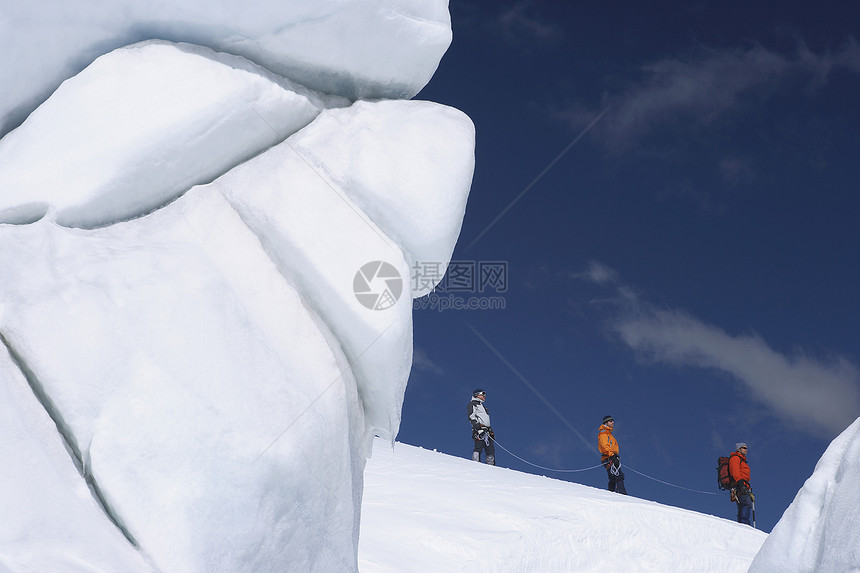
x,y
426,511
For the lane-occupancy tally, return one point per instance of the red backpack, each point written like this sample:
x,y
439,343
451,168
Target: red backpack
x,y
724,478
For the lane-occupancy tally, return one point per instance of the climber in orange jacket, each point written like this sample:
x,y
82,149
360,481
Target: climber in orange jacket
x,y
739,471
609,455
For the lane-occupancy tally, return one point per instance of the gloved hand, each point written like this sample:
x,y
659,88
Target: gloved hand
x,y
481,432
752,496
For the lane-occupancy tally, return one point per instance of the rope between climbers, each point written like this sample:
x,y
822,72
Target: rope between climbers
x,y
542,467
600,466
671,484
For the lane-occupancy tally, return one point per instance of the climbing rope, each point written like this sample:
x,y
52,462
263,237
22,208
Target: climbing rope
x,y
600,466
542,467
671,484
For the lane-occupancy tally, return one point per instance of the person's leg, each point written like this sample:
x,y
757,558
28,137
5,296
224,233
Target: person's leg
x,y
490,451
619,483
611,486
476,453
744,507
616,476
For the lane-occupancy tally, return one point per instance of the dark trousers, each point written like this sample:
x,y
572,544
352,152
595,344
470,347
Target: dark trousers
x,y
616,476
744,503
489,448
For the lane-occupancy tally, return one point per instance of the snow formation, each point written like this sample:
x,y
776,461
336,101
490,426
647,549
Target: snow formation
x,y
50,520
113,158
357,48
205,308
820,529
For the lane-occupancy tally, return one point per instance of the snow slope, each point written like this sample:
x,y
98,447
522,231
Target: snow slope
x,y
425,512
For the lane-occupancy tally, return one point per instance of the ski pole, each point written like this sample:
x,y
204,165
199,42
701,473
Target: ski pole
x,y
753,509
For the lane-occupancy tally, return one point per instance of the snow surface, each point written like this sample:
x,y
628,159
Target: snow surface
x,y
820,530
356,48
175,357
139,127
426,511
402,196
50,520
207,357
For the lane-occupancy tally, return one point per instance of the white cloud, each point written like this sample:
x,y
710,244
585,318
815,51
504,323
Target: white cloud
x,y
422,362
703,88
519,21
597,273
819,395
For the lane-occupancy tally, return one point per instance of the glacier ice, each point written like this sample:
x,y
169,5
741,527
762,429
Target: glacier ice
x,y
361,49
50,520
370,183
402,193
111,157
216,415
207,356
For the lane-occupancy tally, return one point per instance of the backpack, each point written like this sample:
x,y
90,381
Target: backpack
x,y
724,478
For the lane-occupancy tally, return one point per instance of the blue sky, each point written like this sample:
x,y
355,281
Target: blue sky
x,y
672,192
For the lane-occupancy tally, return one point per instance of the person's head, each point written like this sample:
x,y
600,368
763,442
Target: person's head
x,y
741,448
608,421
479,394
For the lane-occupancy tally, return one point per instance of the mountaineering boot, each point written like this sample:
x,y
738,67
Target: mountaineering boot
x,y
476,456
491,460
